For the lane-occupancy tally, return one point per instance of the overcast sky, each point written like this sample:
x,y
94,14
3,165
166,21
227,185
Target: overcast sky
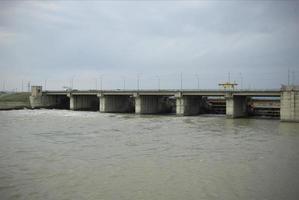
x,y
256,42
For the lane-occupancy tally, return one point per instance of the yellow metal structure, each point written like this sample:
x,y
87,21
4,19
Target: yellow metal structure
x,y
228,85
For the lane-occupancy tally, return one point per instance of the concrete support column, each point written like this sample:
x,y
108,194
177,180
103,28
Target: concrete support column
x,y
116,104
150,104
289,104
188,105
84,102
146,104
72,102
236,106
137,103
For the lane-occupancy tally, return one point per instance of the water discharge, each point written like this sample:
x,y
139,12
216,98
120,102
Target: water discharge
x,y
57,154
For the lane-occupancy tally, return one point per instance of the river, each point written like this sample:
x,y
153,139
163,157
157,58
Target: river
x,y
60,154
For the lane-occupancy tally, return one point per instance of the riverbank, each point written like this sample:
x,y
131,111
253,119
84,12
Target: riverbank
x,y
12,101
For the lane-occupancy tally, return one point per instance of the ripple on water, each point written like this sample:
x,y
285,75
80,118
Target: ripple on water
x,y
60,154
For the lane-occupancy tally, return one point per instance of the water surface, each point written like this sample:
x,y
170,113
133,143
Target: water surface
x,y
58,154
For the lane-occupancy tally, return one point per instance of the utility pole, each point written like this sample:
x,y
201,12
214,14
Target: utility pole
x,y
22,86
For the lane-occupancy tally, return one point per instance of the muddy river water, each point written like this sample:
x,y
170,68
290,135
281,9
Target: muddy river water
x,y
60,154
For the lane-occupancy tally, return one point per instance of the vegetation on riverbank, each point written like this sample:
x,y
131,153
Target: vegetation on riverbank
x,y
18,100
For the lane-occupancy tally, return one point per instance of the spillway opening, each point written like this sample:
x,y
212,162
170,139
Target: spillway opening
x,y
84,103
214,105
265,107
168,104
63,102
131,104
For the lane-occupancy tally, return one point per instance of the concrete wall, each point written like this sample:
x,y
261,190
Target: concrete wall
x,y
151,104
39,100
36,91
289,106
84,102
236,106
44,101
116,104
189,105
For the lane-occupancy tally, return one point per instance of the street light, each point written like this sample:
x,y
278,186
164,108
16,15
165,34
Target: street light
x,y
158,77
101,82
124,82
96,82
138,80
197,77
241,83
72,83
45,85
181,80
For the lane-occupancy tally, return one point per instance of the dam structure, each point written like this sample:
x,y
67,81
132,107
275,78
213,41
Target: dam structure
x,y
180,102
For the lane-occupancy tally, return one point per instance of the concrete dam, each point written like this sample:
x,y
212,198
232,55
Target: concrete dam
x,y
283,102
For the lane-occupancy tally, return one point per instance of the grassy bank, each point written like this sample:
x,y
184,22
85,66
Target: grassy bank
x,y
14,100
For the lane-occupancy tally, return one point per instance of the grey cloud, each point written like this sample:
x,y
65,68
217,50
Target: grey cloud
x,y
71,38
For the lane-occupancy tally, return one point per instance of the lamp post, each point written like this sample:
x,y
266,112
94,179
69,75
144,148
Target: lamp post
x,y
72,83
101,82
124,82
96,83
138,81
241,84
181,77
45,85
158,78
197,77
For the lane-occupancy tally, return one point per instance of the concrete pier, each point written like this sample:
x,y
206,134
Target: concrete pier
x,y
150,104
183,102
236,106
289,106
84,102
188,105
116,103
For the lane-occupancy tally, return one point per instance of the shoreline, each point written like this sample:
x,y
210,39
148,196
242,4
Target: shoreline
x,y
14,101
14,106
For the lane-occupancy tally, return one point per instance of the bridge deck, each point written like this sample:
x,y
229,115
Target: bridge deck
x,y
266,93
